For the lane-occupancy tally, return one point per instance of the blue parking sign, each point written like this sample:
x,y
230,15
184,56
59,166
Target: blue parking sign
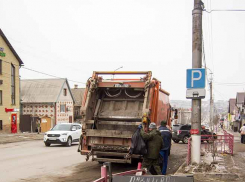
x,y
195,78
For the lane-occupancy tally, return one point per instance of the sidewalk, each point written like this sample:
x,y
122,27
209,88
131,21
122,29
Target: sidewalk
x,y
19,137
226,168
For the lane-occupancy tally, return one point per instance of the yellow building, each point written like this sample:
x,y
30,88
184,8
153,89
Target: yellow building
x,y
10,64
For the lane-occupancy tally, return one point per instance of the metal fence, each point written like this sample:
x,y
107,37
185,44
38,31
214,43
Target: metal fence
x,y
216,144
138,175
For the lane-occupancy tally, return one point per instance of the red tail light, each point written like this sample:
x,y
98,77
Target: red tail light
x,y
178,132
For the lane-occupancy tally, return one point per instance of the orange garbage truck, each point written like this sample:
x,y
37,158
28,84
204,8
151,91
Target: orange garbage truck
x,y
114,104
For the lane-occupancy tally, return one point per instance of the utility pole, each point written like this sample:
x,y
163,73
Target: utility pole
x,y
211,105
211,114
196,63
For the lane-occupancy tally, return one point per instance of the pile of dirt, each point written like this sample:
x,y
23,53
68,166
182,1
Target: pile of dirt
x,y
204,167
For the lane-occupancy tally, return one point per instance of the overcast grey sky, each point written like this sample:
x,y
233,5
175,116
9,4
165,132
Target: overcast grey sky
x,y
73,38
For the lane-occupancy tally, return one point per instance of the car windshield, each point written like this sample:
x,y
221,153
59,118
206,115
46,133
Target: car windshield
x,y
62,127
186,127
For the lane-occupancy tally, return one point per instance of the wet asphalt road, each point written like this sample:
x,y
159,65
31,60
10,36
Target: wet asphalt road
x,y
32,161
24,160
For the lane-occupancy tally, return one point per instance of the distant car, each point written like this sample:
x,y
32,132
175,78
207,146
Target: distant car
x,y
182,133
209,137
64,133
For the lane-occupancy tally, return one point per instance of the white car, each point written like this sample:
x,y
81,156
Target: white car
x,y
64,133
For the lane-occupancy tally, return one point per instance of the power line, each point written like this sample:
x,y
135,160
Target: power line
x,y
7,75
211,36
40,72
208,35
43,73
51,75
213,10
221,94
229,84
29,51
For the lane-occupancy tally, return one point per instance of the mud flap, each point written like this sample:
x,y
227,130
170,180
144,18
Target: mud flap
x,y
79,149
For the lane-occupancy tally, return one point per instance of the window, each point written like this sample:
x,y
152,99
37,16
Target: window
x,y
62,127
74,128
186,127
78,127
1,125
65,92
76,112
12,84
62,108
0,66
1,97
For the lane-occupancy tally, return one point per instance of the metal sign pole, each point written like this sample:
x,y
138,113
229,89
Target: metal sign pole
x,y
196,63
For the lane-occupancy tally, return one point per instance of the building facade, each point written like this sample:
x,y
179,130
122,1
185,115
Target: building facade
x,y
48,100
240,116
10,64
78,94
232,112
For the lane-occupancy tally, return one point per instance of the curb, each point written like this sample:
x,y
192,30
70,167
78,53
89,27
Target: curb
x,y
26,140
181,167
216,176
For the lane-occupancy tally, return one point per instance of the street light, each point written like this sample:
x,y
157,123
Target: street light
x,y
116,70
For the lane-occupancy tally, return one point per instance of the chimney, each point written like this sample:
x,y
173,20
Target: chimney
x,y
75,86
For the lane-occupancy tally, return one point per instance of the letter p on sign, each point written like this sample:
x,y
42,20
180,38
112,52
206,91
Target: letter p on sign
x,y
195,78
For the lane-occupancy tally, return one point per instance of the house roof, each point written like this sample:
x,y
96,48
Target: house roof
x,y
232,106
78,95
42,90
10,47
240,96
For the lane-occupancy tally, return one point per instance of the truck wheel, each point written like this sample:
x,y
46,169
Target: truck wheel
x,y
176,141
47,144
185,139
69,142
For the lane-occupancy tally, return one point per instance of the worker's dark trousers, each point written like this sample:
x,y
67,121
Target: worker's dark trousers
x,y
164,154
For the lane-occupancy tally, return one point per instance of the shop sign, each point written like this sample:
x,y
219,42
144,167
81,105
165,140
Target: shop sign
x,y
11,110
2,54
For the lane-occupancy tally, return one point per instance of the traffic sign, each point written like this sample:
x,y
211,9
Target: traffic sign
x,y
195,78
196,93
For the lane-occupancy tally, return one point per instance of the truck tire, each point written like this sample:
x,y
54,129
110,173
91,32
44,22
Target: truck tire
x,y
69,142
